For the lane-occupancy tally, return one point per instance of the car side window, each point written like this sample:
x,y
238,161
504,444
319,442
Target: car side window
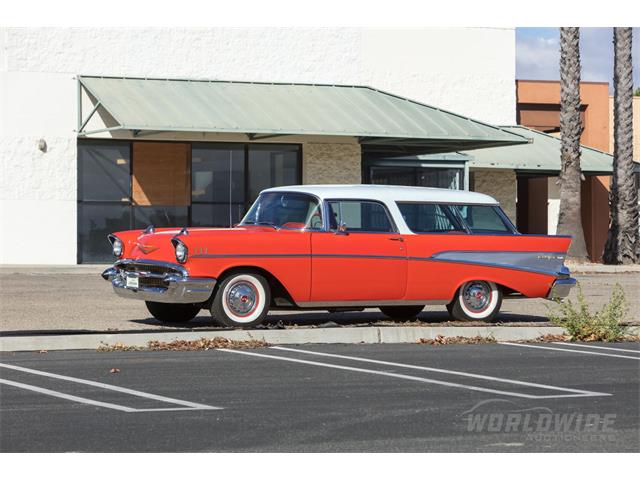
x,y
482,218
429,218
359,216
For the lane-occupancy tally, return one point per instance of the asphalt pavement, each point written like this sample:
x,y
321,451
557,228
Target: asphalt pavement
x,y
77,299
325,398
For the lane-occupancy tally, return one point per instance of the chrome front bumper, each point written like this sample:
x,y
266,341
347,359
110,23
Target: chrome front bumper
x,y
562,285
158,282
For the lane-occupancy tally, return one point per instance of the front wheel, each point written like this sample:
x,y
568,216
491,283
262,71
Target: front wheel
x,y
476,300
242,300
172,312
402,313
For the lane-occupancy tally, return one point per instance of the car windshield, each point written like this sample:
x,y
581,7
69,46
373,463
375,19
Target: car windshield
x,y
285,210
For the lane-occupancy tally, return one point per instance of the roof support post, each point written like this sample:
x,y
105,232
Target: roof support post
x,y
79,93
84,124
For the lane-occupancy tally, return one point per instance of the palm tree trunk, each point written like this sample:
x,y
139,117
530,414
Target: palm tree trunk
x,y
570,218
623,241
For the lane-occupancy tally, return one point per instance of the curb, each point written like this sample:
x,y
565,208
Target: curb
x,y
344,335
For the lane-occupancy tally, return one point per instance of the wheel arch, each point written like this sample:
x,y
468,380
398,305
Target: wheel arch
x,y
278,290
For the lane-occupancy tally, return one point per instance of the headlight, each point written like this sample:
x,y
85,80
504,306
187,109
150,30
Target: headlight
x,y
181,251
116,245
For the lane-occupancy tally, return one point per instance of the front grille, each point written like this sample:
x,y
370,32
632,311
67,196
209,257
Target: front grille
x,y
150,275
143,267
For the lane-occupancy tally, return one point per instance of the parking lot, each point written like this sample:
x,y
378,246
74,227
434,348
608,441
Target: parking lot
x,y
340,398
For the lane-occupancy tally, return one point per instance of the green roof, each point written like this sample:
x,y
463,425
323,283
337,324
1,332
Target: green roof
x,y
266,109
543,154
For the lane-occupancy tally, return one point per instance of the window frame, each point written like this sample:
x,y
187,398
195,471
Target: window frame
x,y
392,221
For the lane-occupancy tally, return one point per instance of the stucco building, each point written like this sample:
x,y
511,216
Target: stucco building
x,y
72,170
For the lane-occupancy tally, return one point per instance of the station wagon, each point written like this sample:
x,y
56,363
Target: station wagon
x,y
342,247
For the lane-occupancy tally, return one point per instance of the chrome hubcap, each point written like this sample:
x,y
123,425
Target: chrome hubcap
x,y
242,298
477,296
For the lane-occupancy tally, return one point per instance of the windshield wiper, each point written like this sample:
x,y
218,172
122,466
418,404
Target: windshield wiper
x,y
268,224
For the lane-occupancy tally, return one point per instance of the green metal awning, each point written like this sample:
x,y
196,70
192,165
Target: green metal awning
x,y
262,110
542,155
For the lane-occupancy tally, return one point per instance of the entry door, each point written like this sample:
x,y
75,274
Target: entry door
x,y
366,262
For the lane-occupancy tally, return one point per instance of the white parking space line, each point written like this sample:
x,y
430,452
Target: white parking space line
x,y
441,370
581,345
185,405
73,398
415,379
568,350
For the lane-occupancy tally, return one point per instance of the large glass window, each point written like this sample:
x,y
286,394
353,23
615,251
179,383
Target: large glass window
x,y
272,166
429,218
359,216
104,171
124,185
95,222
217,184
438,177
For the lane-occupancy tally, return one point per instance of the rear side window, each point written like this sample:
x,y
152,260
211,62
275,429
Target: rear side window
x,y
359,216
482,218
429,218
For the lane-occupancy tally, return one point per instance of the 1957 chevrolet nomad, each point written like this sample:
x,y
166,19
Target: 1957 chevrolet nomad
x,y
342,247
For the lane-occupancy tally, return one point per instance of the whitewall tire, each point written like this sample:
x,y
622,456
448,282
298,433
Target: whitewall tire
x,y
242,300
476,300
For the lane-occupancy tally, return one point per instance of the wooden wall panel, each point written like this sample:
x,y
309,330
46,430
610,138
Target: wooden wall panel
x,y
161,174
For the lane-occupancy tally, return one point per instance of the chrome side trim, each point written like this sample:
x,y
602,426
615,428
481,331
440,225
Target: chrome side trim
x,y
371,303
298,255
545,263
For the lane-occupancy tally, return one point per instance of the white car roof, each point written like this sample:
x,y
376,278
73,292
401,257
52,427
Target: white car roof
x,y
390,193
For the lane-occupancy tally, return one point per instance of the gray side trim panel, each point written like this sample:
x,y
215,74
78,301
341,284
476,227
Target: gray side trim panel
x,y
547,263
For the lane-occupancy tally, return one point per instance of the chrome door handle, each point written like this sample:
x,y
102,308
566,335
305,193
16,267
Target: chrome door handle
x,y
397,239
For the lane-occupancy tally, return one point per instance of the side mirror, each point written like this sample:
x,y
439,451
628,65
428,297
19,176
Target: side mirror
x,y
342,229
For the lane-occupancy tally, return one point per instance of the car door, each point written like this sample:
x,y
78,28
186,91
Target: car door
x,y
365,263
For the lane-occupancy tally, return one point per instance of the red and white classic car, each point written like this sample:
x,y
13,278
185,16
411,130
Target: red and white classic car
x,y
339,247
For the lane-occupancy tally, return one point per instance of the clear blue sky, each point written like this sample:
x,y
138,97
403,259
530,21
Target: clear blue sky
x,y
538,54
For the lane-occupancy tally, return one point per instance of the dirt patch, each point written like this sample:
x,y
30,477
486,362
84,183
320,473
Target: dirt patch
x,y
188,345
442,340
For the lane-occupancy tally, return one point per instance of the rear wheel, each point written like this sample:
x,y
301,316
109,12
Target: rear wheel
x,y
242,300
476,300
402,313
173,312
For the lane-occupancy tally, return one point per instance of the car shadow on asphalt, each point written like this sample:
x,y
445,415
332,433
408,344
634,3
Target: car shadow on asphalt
x,y
315,319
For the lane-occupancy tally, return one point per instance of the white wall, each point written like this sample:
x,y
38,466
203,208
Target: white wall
x,y
469,71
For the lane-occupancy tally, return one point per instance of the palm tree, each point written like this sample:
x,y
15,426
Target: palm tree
x,y
623,242
570,217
